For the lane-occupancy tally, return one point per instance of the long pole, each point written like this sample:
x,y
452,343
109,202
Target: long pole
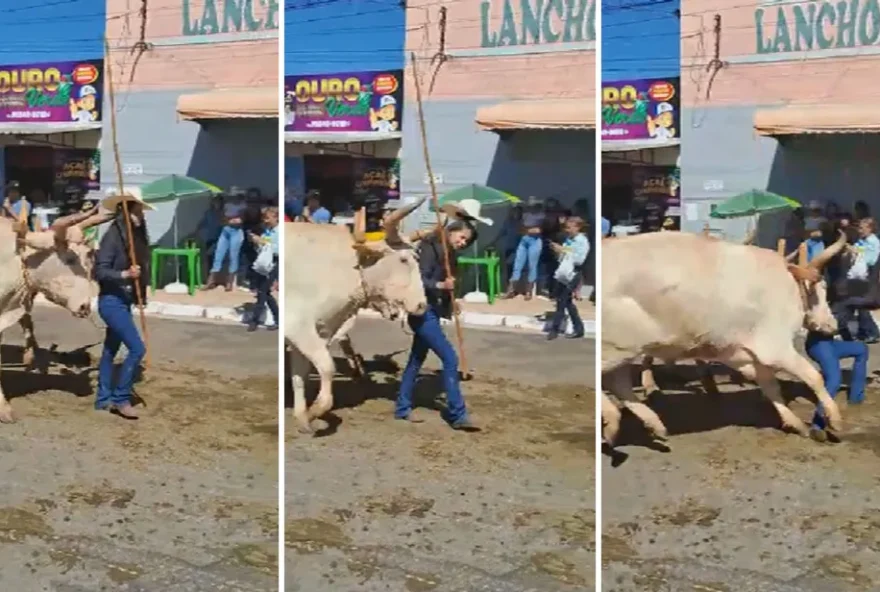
x,y
108,60
458,332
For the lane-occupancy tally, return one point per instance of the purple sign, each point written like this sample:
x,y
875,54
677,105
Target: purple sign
x,y
348,102
52,92
641,110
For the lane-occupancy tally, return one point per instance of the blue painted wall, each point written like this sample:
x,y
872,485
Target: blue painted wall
x,y
33,31
640,39
327,36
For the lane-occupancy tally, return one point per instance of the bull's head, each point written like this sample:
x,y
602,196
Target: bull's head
x,y
813,288
59,261
390,268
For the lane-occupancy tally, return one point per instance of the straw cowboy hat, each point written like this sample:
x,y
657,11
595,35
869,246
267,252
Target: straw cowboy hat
x,y
132,194
468,209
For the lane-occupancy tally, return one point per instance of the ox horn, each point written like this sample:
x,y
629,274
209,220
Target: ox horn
x,y
391,223
95,218
360,226
826,255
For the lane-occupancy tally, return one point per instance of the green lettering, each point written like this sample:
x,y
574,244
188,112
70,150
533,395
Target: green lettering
x,y
612,114
870,18
803,27
826,13
531,26
763,44
338,108
782,40
846,29
271,13
487,38
189,28
507,36
231,12
39,98
209,19
573,29
551,36
252,23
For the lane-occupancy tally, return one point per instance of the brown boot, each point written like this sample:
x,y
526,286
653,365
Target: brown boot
x,y
212,282
529,288
511,291
230,282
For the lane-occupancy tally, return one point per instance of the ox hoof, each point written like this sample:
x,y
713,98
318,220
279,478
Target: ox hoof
x,y
319,425
304,428
6,415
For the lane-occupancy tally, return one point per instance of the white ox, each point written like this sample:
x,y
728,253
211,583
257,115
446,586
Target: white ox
x,y
683,296
57,263
330,275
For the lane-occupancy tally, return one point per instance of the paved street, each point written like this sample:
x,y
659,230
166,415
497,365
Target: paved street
x,y
378,504
735,504
182,500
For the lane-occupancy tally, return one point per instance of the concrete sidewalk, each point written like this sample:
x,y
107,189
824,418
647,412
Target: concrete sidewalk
x,y
237,307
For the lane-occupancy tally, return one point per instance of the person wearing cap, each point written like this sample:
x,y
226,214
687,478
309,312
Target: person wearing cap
x,y
814,226
314,212
662,126
118,277
384,120
16,205
230,241
428,335
83,109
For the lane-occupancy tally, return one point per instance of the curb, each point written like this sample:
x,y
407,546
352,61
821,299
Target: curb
x,y
233,315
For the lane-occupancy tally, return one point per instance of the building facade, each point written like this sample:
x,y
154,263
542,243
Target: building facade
x,y
786,105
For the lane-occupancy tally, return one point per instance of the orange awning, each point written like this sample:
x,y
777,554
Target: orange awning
x,y
818,119
566,114
238,103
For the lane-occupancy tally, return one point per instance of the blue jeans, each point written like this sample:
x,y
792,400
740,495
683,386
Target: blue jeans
x,y
827,353
528,251
264,295
230,241
565,303
116,313
428,335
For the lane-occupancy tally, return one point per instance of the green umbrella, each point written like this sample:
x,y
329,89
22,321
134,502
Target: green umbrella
x,y
752,203
487,196
176,187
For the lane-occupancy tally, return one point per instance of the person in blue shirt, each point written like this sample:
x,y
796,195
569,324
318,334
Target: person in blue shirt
x,y
264,283
315,212
862,293
606,227
573,253
15,205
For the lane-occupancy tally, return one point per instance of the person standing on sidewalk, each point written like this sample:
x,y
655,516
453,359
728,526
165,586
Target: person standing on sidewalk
x,y
266,282
230,241
528,251
572,255
427,331
116,275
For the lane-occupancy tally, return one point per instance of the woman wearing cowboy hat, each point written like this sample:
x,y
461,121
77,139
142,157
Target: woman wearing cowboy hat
x,y
116,275
427,333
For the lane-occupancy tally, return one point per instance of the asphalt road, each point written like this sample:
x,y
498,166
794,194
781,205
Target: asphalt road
x,y
735,504
378,504
184,499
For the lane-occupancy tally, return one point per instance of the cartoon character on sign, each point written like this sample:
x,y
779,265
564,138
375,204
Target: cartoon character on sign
x,y
661,127
383,119
83,109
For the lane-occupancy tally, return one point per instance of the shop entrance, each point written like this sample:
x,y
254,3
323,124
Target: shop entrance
x,y
50,176
32,167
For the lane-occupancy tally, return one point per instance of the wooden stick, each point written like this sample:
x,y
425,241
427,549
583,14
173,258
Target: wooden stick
x,y
436,203
131,254
780,247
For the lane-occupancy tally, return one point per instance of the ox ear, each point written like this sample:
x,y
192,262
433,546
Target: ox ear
x,y
804,274
367,255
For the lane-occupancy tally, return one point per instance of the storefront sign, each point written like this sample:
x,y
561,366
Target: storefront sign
x,y
52,92
785,27
350,102
656,199
641,110
209,17
76,170
376,181
538,22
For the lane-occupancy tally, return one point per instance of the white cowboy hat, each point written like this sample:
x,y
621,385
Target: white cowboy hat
x,y
132,194
468,209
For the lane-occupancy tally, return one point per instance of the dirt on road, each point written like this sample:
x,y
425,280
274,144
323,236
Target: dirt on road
x,y
183,499
379,504
733,503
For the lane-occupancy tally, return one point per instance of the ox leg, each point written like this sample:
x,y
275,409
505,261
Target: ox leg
x,y
315,349
765,377
799,367
620,384
648,382
354,359
610,420
706,378
299,370
30,341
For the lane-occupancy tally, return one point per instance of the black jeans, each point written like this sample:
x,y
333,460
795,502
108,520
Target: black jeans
x,y
264,295
565,303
